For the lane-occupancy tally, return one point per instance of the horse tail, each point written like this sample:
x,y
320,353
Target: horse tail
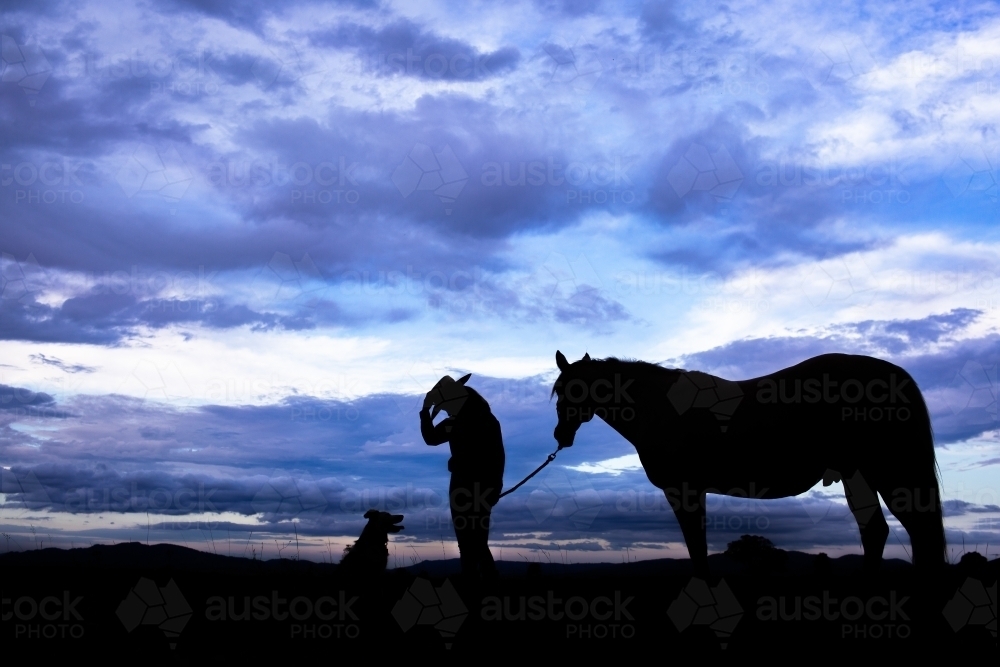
x,y
928,541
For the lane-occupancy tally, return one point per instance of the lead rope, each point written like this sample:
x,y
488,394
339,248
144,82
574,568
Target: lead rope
x,y
537,470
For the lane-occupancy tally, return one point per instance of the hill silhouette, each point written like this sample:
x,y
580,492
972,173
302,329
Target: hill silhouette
x,y
136,555
173,604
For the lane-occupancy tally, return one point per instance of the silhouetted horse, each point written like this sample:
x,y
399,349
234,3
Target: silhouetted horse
x,y
834,417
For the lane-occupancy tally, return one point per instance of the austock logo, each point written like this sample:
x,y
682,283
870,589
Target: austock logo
x,y
149,604
973,604
577,67
311,182
423,169
699,604
20,280
424,604
284,280
151,171
975,390
558,497
602,392
48,182
24,65
851,391
302,610
152,381
51,617
292,496
140,498
699,390
700,171
975,172
21,491
860,618
577,609
286,65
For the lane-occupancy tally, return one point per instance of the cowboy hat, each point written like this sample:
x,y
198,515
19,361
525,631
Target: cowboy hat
x,y
449,394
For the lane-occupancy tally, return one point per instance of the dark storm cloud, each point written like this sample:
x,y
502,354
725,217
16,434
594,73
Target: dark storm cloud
x,y
94,319
569,7
405,48
771,211
961,507
507,182
760,356
498,198
513,177
958,379
719,172
46,324
443,181
900,335
19,398
366,439
619,512
113,311
333,437
30,7
247,15
60,364
325,462
659,23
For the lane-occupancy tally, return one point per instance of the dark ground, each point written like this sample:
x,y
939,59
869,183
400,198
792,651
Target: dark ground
x,y
77,603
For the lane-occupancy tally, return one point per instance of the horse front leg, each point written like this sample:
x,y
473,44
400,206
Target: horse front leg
x,y
690,512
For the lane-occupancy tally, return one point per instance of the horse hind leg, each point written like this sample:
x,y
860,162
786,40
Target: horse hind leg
x,y
864,504
918,509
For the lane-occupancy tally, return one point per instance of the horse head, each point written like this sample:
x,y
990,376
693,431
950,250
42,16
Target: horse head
x,y
572,399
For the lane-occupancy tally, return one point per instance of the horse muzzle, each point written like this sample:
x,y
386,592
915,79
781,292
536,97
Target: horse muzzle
x,y
564,436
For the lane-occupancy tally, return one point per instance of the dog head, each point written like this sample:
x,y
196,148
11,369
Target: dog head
x,y
383,523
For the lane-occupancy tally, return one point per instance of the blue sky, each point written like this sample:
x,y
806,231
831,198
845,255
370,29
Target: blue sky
x,y
238,245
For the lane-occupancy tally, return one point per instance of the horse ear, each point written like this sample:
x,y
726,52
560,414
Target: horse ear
x,y
464,378
561,361
586,356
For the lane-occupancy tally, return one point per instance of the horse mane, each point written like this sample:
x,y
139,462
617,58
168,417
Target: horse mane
x,y
643,366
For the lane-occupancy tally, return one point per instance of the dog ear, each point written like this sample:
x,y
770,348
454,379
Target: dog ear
x,y
371,513
586,356
463,379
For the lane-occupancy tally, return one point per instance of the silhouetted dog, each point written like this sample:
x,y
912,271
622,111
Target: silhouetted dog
x,y
370,555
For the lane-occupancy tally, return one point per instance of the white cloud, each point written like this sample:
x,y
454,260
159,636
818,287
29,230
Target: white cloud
x,y
615,466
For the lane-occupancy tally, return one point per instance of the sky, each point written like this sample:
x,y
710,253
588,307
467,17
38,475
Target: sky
x,y
237,246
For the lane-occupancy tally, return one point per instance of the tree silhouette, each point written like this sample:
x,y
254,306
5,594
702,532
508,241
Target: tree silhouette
x,y
757,553
822,565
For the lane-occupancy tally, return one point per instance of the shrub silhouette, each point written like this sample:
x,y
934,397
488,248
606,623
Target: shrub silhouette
x,y
757,553
972,559
973,564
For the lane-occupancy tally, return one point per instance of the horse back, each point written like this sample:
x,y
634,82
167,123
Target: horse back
x,y
834,411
